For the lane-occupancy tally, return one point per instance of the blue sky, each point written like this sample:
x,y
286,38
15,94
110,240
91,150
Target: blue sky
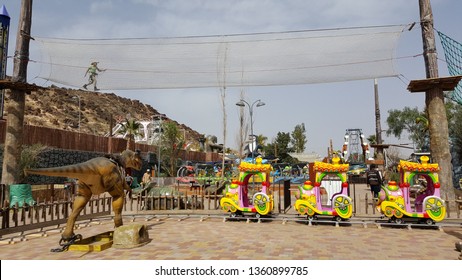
x,y
327,110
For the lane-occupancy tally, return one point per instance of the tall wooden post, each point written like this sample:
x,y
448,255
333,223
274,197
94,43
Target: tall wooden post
x,y
16,101
4,34
378,125
434,101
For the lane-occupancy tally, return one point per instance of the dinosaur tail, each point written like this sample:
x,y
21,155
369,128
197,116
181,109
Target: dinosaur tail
x,y
70,171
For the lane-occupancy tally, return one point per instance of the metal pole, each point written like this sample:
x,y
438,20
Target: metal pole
x,y
259,103
251,128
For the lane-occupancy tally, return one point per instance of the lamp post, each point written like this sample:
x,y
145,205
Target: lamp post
x,y
78,97
159,117
258,103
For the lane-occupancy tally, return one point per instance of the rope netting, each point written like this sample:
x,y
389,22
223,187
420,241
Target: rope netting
x,y
263,59
453,54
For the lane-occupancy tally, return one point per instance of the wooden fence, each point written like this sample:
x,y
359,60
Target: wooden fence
x,y
32,217
15,219
69,140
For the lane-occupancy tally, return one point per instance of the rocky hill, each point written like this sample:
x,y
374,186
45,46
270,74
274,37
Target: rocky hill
x,y
59,108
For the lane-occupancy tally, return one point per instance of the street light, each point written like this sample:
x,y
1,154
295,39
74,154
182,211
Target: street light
x,y
78,97
158,144
259,103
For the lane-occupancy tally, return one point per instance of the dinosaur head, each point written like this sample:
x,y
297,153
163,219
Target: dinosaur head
x,y
132,159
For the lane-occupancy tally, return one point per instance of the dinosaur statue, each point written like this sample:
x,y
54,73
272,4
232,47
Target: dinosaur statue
x,y
95,176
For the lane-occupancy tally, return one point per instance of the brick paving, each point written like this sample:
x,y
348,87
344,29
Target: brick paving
x,y
214,239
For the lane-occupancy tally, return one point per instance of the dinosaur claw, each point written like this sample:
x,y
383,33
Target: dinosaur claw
x,y
70,240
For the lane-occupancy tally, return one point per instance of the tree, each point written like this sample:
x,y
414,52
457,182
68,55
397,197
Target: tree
x,y
130,128
406,120
453,113
279,148
393,157
372,139
455,126
172,144
261,140
298,139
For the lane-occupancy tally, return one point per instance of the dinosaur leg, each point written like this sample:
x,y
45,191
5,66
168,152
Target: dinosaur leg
x,y
80,201
117,205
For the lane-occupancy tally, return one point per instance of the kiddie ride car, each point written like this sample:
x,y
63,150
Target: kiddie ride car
x,y
309,200
395,201
236,200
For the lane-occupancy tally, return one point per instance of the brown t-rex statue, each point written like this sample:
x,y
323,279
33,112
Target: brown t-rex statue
x,y
95,176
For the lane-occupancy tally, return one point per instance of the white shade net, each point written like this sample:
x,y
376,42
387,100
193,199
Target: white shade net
x,y
285,58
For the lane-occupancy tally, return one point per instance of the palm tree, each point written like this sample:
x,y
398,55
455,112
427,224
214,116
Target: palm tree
x,y
261,140
372,139
173,143
130,129
424,122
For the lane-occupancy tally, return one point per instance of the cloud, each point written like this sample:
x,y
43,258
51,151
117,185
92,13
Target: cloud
x,y
98,7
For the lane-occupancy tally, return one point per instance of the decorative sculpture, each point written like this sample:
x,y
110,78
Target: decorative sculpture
x,y
95,176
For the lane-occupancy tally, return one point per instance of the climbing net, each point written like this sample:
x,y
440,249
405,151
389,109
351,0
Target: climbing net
x,y
263,59
453,54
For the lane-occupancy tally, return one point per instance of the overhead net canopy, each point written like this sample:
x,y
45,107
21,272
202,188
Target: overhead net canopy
x,y
263,59
453,53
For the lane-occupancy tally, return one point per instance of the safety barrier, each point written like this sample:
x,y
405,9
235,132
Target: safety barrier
x,y
16,219
46,214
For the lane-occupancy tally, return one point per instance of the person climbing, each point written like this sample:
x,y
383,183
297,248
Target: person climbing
x,y
93,71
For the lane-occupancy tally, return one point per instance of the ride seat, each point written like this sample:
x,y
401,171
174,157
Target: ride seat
x,y
418,202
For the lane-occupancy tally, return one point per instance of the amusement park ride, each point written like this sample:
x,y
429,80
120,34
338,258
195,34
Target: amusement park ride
x,y
355,151
395,201
327,194
309,202
236,200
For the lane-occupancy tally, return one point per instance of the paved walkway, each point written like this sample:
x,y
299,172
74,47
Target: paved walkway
x,y
214,239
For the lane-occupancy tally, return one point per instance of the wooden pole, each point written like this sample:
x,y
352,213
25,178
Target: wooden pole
x,y
434,101
378,126
11,172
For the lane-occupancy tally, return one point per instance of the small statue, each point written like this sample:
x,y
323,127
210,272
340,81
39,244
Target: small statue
x,y
93,71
